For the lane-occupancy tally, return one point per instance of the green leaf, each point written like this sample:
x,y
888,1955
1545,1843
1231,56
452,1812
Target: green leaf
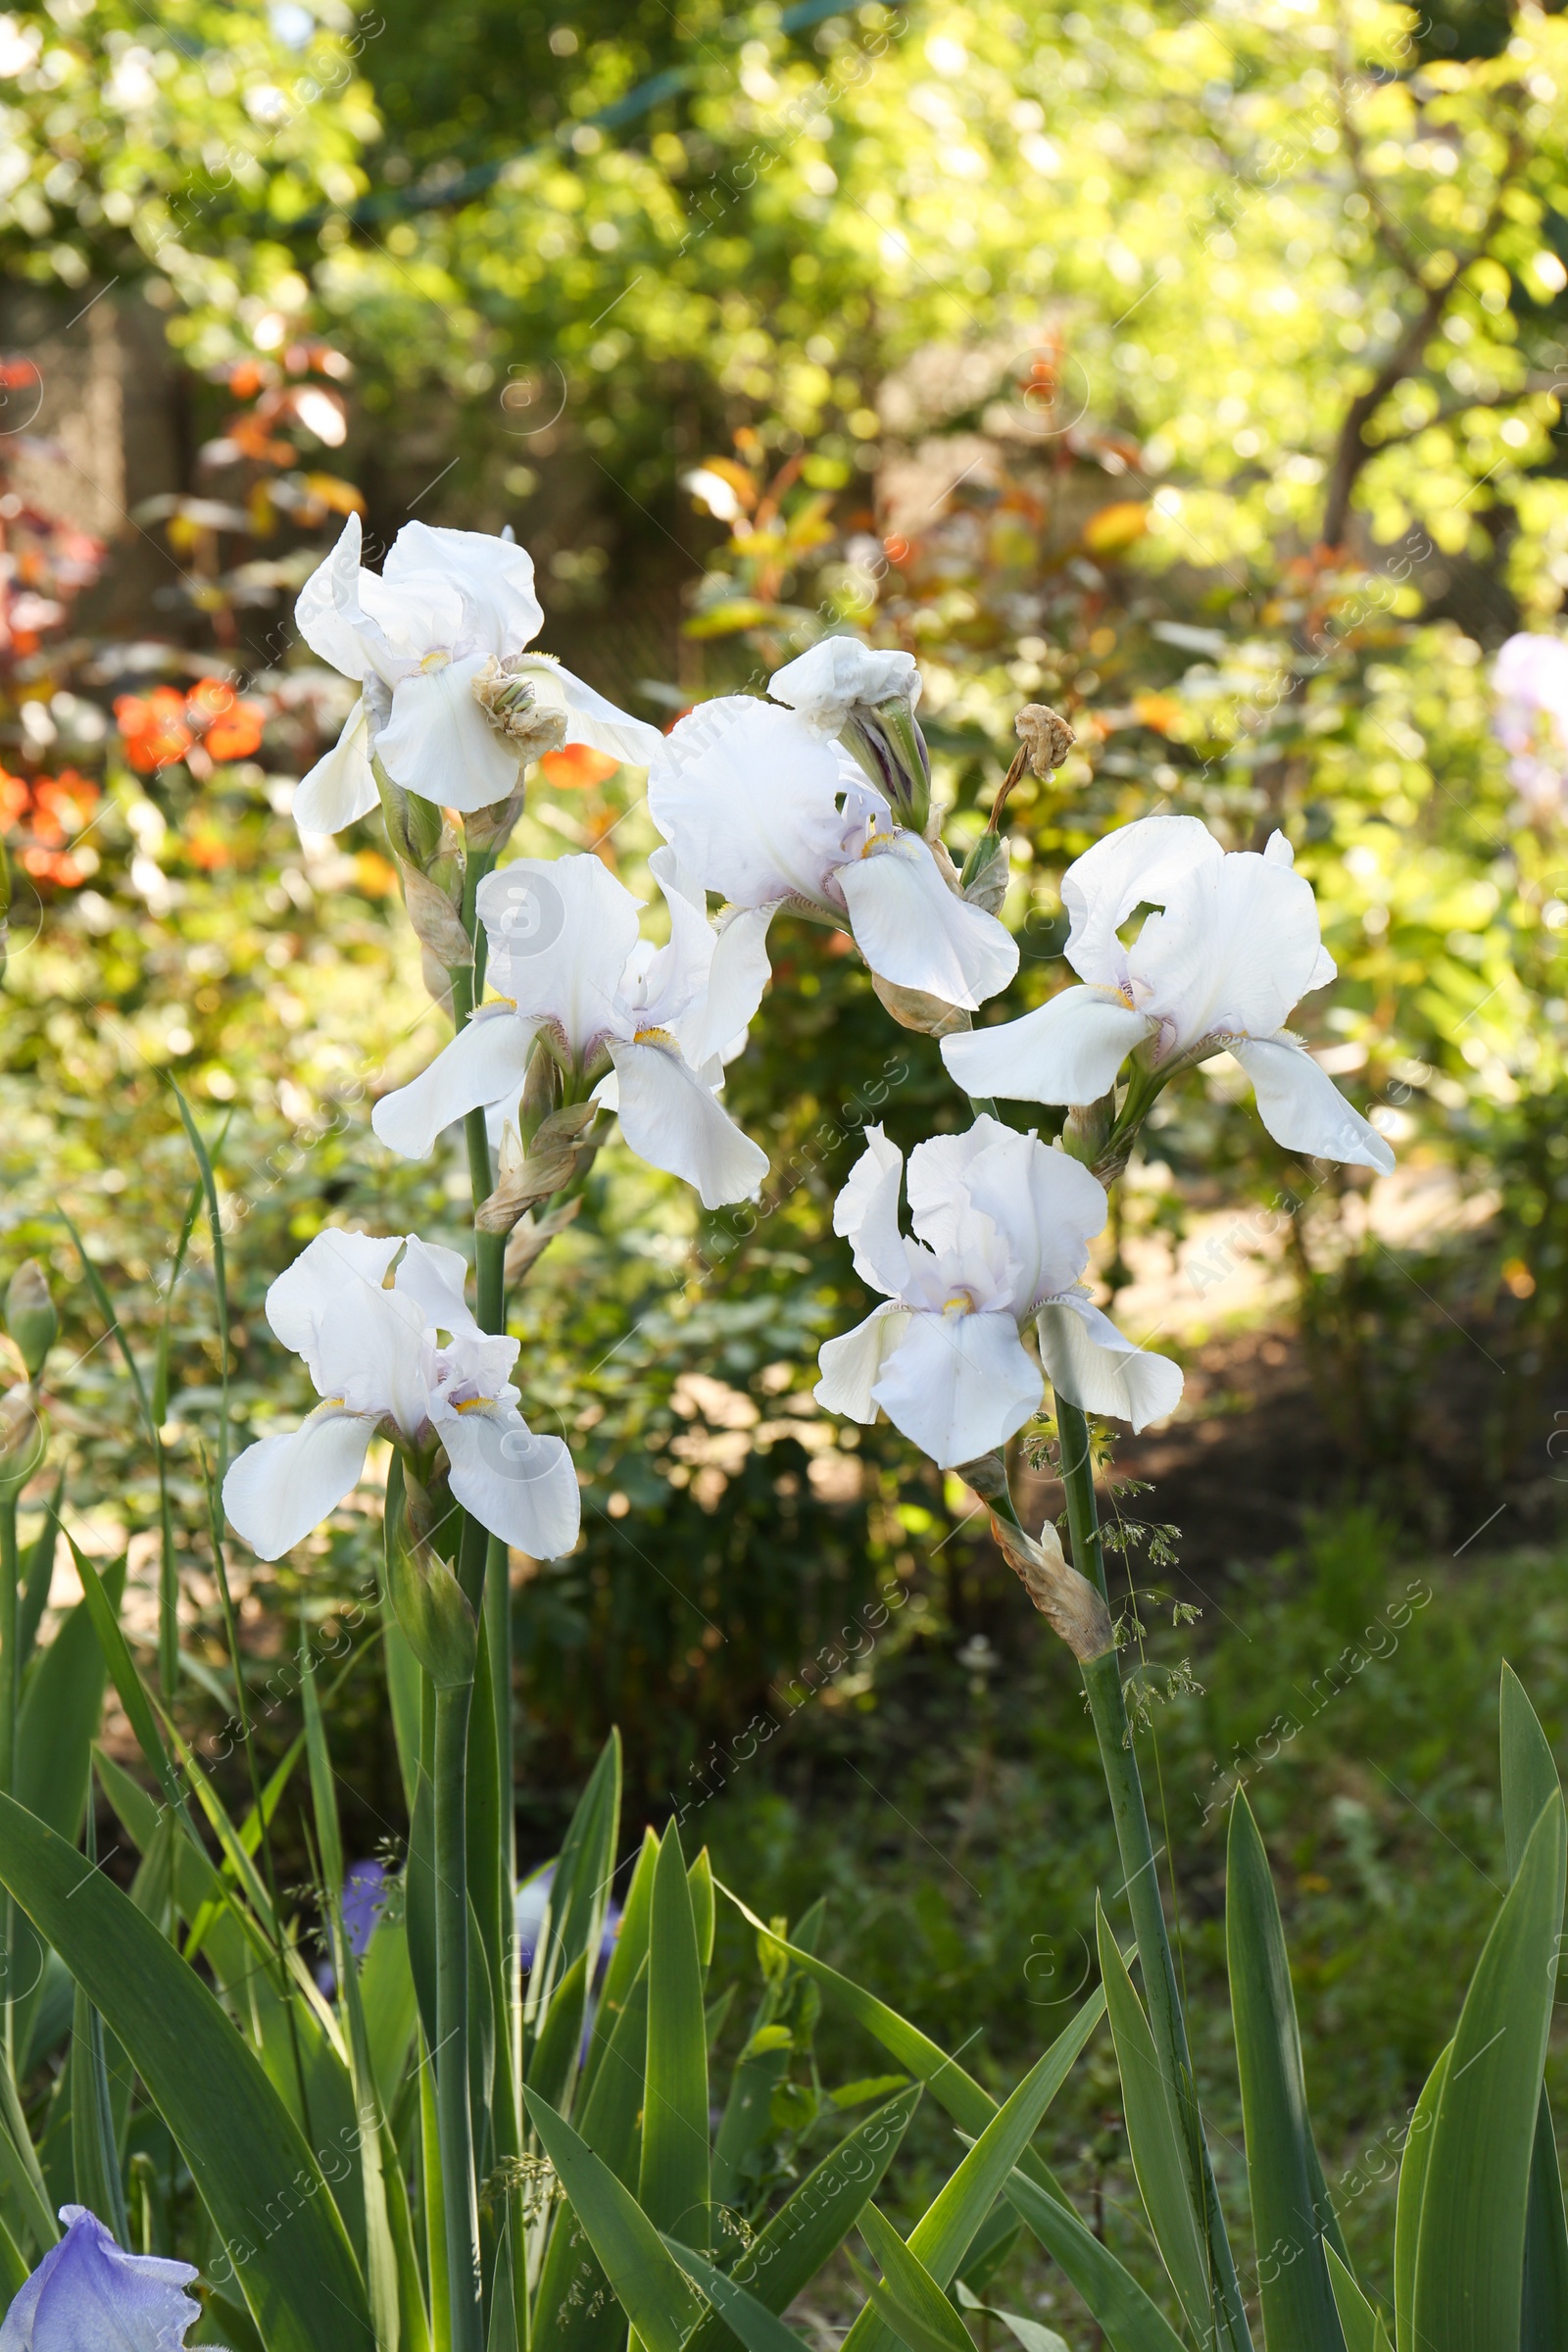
x,y
1529,1781
574,2309
215,1227
37,1573
391,2014
551,2060
626,1957
1152,2114
815,2220
127,1682
1413,2158
95,2156
1529,1769
1544,2324
1130,2322
946,2230
574,1917
673,2185
1290,2208
419,1903
59,1716
1029,2333
255,2172
970,2107
758,2328
381,2260
909,2300
700,1880
1357,2316
652,2290
1470,2256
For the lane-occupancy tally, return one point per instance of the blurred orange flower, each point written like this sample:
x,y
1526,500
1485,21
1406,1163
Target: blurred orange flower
x,y
577,767
154,728
232,729
162,727
60,807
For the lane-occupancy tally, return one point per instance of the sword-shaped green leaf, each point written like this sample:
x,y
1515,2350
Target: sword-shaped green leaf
x,y
673,2184
627,1954
251,2164
758,2328
574,2309
1469,2266
1529,1781
1152,2113
1358,2318
1130,2320
654,2293
1291,2209
907,2298
1413,2158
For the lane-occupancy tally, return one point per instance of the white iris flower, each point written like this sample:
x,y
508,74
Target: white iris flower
x,y
1220,967
445,607
570,972
1003,1226
409,1364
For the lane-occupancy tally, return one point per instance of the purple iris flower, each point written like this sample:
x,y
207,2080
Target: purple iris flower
x,y
365,1888
88,2291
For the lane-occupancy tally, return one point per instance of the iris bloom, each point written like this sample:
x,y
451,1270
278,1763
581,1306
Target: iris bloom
x,y
446,607
571,972
1003,1226
758,805
1219,968
409,1364
1530,718
88,2291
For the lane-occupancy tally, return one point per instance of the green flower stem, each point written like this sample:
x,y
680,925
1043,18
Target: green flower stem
x,y
454,2120
1119,1761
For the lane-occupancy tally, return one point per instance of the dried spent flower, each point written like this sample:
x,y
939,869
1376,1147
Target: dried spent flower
x,y
511,706
1046,737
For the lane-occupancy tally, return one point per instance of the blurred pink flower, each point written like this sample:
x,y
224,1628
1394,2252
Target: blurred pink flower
x,y
1531,718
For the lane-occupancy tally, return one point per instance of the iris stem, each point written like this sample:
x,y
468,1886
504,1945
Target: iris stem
x,y
1140,1881
455,2118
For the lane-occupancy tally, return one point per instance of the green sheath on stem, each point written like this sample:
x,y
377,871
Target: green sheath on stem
x,y
1119,1762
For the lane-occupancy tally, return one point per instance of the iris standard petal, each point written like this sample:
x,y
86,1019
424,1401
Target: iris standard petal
x,y
851,1363
1138,865
561,931
521,1486
327,613
959,1384
280,1489
438,742
866,1215
434,1277
824,683
1303,1109
493,572
1090,1363
89,2295
1048,1205
747,797
326,1270
1235,949
672,1120
915,931
1069,1050
341,788
485,1061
